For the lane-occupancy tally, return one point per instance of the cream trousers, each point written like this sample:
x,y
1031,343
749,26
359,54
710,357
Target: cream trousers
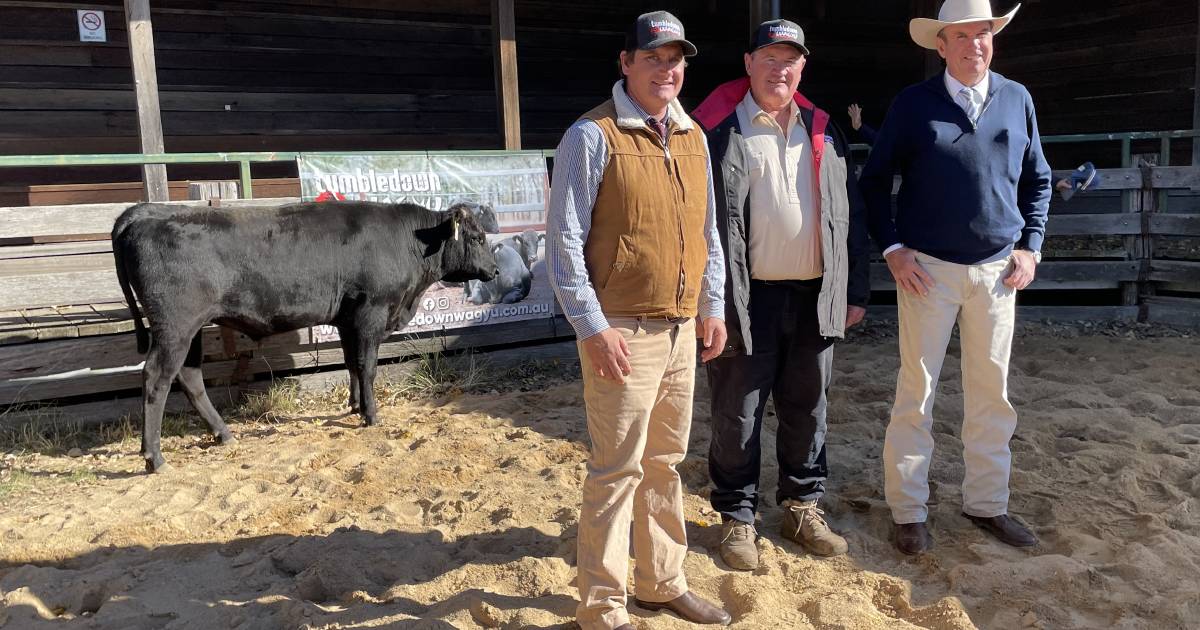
x,y
975,297
639,434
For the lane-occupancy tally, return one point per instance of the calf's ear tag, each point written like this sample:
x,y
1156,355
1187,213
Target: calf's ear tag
x,y
456,229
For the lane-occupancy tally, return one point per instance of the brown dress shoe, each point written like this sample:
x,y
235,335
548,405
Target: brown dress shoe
x,y
1007,530
913,538
692,608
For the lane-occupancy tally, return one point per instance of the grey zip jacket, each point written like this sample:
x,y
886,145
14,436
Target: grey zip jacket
x,y
845,245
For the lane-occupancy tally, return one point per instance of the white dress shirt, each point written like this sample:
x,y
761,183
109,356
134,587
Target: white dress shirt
x,y
978,92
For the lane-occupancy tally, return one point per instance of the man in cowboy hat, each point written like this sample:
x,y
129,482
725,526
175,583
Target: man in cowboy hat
x,y
635,259
967,235
793,226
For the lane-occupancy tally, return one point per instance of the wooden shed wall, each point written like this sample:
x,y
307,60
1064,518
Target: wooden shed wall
x,y
1120,65
315,75
1126,65
338,74
369,74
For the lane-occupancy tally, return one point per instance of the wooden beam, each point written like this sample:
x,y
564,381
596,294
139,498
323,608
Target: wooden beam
x,y
1172,224
1130,204
504,54
1177,271
88,221
1037,313
1065,274
1196,93
1177,311
1176,177
760,11
1090,224
1160,224
145,80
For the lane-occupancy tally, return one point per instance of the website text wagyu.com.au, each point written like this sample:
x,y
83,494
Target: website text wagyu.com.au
x,y
433,313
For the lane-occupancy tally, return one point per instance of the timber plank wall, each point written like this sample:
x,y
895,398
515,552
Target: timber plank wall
x,y
295,75
371,75
1118,65
358,74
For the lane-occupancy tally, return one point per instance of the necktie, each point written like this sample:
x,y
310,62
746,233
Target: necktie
x,y
659,127
967,97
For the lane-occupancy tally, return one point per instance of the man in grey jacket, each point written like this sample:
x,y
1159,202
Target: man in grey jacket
x,y
793,227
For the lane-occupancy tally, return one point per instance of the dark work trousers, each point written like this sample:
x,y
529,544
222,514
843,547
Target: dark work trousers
x,y
791,362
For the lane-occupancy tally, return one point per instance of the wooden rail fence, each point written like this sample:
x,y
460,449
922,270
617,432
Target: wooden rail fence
x,y
1127,251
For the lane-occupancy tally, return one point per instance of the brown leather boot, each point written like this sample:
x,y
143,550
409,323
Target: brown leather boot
x,y
1007,530
913,538
691,608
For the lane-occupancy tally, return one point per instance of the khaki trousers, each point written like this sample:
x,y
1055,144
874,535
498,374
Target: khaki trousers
x,y
639,433
975,297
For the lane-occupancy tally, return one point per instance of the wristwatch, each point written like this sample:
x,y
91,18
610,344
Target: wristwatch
x,y
1037,255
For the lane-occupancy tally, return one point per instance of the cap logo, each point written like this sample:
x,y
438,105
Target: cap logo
x,y
664,26
782,32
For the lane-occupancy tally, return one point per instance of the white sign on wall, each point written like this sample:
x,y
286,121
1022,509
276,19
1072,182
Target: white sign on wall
x,y
511,187
91,25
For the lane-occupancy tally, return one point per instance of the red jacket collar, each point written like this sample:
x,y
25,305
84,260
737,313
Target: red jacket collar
x,y
723,100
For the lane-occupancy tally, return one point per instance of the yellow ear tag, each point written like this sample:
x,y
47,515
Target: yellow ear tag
x,y
456,229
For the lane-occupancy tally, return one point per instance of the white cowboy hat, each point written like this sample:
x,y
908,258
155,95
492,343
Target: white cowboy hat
x,y
924,30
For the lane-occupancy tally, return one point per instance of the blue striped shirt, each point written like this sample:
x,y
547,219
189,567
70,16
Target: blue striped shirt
x,y
579,164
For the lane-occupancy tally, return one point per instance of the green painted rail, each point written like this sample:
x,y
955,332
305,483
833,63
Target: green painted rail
x,y
245,159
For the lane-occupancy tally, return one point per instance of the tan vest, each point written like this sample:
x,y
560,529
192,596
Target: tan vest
x,y
646,250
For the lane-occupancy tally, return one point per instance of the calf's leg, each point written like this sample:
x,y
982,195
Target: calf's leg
x,y
370,329
191,379
349,337
368,351
166,356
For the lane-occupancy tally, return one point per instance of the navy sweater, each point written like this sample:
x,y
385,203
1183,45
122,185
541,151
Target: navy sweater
x,y
967,192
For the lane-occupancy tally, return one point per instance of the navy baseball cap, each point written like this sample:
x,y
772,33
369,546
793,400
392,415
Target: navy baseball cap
x,y
655,29
778,32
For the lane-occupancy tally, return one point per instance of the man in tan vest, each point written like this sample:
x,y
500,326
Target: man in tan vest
x,y
635,259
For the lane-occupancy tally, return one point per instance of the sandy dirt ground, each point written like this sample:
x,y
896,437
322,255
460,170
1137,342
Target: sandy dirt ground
x,y
460,511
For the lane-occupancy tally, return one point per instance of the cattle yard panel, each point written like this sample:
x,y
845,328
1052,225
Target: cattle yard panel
x,y
88,365
65,331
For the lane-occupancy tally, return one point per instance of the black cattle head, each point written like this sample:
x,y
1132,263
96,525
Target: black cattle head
x,y
465,254
483,212
531,240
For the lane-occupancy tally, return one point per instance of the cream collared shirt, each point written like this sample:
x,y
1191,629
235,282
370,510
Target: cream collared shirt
x,y
785,230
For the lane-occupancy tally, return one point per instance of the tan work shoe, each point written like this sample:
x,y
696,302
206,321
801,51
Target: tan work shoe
x,y
737,545
802,523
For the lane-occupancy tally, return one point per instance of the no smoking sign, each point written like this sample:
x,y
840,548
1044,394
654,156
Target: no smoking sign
x,y
91,25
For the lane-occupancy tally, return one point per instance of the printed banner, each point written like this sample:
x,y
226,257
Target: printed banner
x,y
506,191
